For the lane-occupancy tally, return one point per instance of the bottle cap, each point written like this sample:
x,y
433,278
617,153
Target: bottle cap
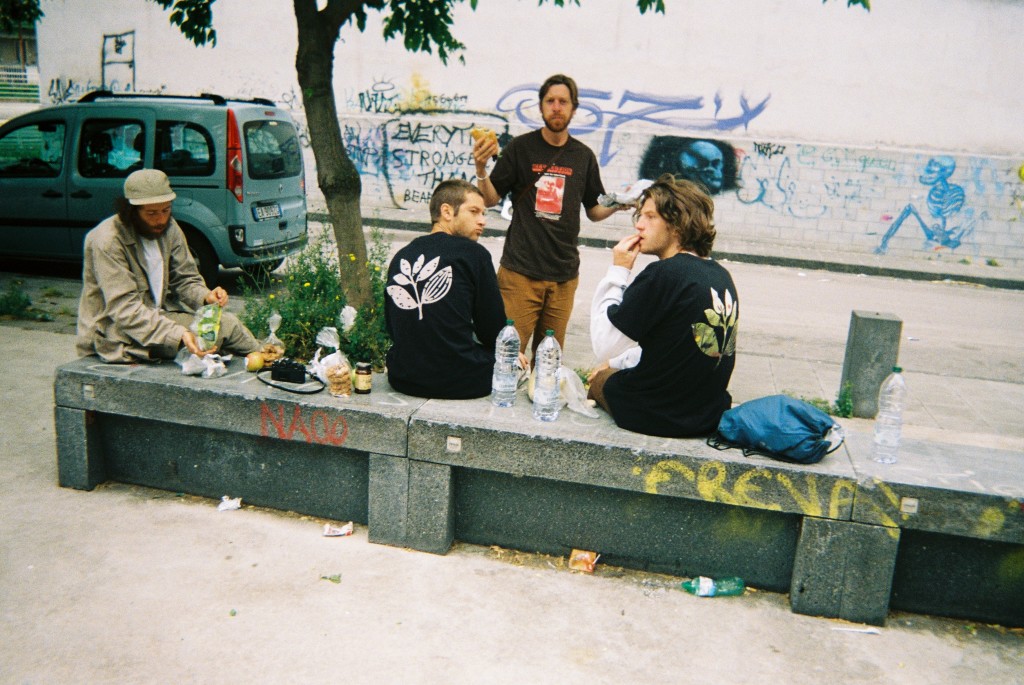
x,y
897,369
509,322
549,332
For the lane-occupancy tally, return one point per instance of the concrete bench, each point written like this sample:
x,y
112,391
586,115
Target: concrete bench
x,y
150,425
847,538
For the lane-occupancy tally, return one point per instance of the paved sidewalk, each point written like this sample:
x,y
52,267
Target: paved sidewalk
x,y
937,265
130,585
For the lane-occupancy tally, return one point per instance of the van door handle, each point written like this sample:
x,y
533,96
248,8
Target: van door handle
x,y
283,225
52,194
81,194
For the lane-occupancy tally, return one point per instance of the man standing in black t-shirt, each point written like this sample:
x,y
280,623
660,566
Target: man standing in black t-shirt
x,y
443,309
550,175
683,312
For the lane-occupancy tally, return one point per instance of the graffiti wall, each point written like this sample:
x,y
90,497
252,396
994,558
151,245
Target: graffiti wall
x,y
812,124
872,200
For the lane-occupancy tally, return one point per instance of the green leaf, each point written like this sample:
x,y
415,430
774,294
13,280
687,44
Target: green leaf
x,y
713,318
707,341
730,342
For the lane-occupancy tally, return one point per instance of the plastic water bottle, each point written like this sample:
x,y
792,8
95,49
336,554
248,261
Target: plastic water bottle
x,y
892,398
506,370
702,586
547,395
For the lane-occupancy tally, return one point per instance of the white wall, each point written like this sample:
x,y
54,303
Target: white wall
x,y
911,73
832,115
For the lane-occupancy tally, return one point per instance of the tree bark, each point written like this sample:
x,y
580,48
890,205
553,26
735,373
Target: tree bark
x,y
336,174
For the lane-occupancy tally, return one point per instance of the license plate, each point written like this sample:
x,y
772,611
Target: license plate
x,y
264,212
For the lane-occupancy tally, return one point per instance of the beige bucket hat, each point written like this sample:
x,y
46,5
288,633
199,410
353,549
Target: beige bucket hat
x,y
148,187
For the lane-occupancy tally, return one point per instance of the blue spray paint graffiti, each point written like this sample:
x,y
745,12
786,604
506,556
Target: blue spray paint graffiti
x,y
776,187
945,200
632,107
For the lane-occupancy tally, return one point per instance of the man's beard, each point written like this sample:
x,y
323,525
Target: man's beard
x,y
558,127
147,231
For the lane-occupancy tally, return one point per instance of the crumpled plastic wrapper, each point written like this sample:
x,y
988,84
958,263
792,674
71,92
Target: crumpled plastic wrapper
x,y
338,531
334,369
626,195
227,503
209,366
582,560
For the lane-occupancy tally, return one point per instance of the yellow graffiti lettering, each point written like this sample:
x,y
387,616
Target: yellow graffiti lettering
x,y
711,483
990,522
883,517
745,491
810,505
1011,568
889,493
662,473
842,496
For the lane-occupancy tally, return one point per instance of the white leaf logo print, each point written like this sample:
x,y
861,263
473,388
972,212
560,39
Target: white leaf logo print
x,y
436,287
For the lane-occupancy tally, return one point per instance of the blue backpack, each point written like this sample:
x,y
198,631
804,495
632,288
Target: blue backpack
x,y
780,427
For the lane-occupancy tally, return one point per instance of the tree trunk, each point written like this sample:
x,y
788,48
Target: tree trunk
x,y
336,175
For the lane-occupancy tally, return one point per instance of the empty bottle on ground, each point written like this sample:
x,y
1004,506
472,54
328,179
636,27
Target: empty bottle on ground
x,y
506,369
547,394
892,398
702,586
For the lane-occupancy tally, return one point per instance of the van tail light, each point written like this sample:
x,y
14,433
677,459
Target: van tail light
x,y
234,158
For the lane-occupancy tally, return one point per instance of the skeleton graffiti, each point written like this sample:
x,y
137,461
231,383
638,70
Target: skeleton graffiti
x,y
945,202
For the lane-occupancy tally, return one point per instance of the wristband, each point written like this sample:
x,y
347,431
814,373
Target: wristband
x,y
481,178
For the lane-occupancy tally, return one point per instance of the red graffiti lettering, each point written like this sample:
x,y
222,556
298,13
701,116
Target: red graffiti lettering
x,y
334,432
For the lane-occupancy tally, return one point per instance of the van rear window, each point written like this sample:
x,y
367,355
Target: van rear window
x,y
183,149
272,149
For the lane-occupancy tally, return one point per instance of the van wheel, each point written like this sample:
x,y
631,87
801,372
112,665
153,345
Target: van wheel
x,y
205,257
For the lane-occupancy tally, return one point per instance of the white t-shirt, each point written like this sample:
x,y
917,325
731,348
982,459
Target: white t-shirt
x,y
154,269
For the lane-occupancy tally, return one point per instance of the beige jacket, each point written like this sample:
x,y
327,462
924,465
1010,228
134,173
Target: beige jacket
x,y
117,318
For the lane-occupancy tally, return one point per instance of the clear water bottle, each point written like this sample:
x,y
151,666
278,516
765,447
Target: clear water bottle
x,y
547,395
702,586
892,398
506,370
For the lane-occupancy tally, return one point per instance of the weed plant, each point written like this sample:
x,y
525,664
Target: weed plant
x,y
309,297
16,304
842,407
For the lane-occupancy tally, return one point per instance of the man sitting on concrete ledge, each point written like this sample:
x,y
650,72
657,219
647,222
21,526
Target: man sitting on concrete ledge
x,y
140,286
683,312
443,308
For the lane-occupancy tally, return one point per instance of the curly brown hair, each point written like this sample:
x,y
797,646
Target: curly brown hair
x,y
687,209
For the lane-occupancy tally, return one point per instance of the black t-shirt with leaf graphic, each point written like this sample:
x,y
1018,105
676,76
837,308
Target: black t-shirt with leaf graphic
x,y
683,312
443,312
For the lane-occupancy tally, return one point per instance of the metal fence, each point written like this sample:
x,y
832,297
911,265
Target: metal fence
x,y
19,83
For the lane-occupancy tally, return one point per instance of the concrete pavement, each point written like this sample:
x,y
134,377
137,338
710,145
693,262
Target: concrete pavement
x,y
130,585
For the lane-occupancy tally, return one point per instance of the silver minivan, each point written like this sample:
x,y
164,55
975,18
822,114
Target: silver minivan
x,y
236,166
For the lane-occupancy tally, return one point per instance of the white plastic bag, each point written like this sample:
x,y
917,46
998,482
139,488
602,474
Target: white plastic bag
x,y
625,195
206,325
334,369
347,318
573,393
208,366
